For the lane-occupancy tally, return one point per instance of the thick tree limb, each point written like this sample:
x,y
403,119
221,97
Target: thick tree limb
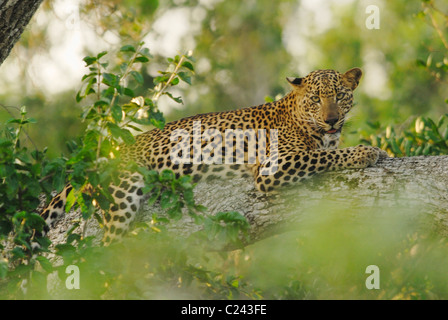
x,y
392,184
14,17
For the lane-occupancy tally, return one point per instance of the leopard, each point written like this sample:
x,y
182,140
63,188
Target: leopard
x,y
294,138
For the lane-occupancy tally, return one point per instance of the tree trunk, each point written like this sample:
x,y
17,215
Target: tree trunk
x,y
14,17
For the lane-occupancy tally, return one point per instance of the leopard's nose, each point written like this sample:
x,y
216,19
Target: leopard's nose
x,y
331,121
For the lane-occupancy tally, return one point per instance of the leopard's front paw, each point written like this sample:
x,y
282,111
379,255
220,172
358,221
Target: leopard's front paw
x,y
366,156
381,153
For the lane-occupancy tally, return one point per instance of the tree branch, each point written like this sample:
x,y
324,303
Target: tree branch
x,y
394,183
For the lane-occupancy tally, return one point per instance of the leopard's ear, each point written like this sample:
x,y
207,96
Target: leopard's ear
x,y
294,81
351,77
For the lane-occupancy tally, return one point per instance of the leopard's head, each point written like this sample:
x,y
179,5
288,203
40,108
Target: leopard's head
x,y
325,97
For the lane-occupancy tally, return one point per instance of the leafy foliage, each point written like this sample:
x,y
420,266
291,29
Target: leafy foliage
x,y
423,136
111,113
20,173
419,135
436,62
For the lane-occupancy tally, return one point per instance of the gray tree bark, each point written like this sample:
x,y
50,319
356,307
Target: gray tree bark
x,y
14,17
420,183
393,184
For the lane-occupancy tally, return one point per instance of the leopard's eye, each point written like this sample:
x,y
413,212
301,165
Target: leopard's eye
x,y
340,95
315,99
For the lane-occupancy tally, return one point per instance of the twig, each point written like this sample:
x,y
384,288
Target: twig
x,y
435,25
170,79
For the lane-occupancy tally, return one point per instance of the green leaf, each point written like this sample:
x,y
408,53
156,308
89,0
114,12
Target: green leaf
x,y
78,97
22,121
89,60
127,136
418,151
114,130
175,212
70,200
134,128
101,54
161,79
18,121
12,184
189,197
168,199
89,87
89,75
407,148
93,178
166,175
118,132
441,121
154,196
395,148
177,99
268,99
142,59
35,221
108,93
104,200
184,76
73,236
101,103
111,80
59,180
426,150
145,52
63,247
137,76
45,263
18,252
127,48
421,63
44,242
117,113
128,92
188,65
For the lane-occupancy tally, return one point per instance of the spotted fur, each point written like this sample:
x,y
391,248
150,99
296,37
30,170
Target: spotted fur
x,y
308,122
